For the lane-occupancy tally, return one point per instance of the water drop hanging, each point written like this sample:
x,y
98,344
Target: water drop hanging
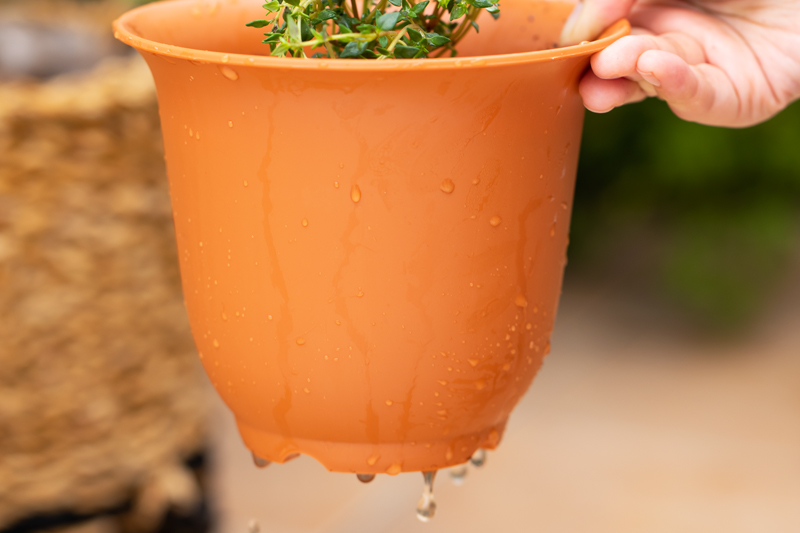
x,y
259,462
478,458
426,508
365,478
458,474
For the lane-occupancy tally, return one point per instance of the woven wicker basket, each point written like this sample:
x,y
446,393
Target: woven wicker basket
x,y
101,398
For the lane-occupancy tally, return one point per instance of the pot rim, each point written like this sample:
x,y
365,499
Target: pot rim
x,y
125,32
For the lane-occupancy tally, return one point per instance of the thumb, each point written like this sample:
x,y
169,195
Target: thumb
x,y
590,17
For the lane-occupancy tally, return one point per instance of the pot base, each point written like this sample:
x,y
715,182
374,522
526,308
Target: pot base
x,y
386,458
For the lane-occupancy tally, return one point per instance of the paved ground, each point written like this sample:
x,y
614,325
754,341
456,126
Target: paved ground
x,y
633,425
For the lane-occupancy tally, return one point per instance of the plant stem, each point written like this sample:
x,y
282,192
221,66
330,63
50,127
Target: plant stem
x,y
397,39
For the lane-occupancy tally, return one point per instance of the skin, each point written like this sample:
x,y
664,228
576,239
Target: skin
x,y
728,63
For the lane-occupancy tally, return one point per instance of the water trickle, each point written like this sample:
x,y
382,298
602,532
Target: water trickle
x,y
448,186
253,526
521,301
426,508
478,458
495,221
355,193
365,478
458,474
259,462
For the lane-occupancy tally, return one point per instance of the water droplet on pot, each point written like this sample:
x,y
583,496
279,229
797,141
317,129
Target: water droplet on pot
x,y
521,301
355,193
372,459
394,469
448,186
226,58
305,222
230,123
216,343
300,341
229,73
495,221
426,508
365,478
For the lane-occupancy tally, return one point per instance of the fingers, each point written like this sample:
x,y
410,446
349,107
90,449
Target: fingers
x,y
621,57
699,93
590,18
601,96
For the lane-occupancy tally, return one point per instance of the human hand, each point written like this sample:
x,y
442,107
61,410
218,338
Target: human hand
x,y
718,62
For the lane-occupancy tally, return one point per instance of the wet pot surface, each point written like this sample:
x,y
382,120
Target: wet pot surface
x,y
371,252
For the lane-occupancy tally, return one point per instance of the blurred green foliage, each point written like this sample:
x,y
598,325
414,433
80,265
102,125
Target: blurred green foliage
x,y
707,217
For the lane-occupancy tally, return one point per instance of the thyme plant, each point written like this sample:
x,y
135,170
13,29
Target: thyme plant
x,y
377,29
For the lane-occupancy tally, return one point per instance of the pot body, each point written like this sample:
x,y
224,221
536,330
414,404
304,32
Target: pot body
x,y
371,257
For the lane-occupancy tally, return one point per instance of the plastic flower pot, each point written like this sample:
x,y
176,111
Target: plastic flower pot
x,y
371,251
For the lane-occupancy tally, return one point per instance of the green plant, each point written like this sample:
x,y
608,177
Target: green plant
x,y
380,29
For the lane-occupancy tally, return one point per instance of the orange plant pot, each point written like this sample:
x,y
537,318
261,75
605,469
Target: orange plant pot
x,y
371,251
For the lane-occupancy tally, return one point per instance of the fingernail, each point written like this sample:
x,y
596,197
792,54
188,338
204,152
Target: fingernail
x,y
650,78
569,26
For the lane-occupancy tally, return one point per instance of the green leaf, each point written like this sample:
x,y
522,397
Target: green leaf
x,y
280,49
383,41
388,21
383,51
475,25
419,8
272,7
293,2
443,3
294,30
481,3
305,31
257,23
353,49
326,14
414,35
437,40
343,23
396,3
459,11
405,52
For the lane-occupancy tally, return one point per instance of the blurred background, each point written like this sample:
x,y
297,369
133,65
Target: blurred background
x,y
671,401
